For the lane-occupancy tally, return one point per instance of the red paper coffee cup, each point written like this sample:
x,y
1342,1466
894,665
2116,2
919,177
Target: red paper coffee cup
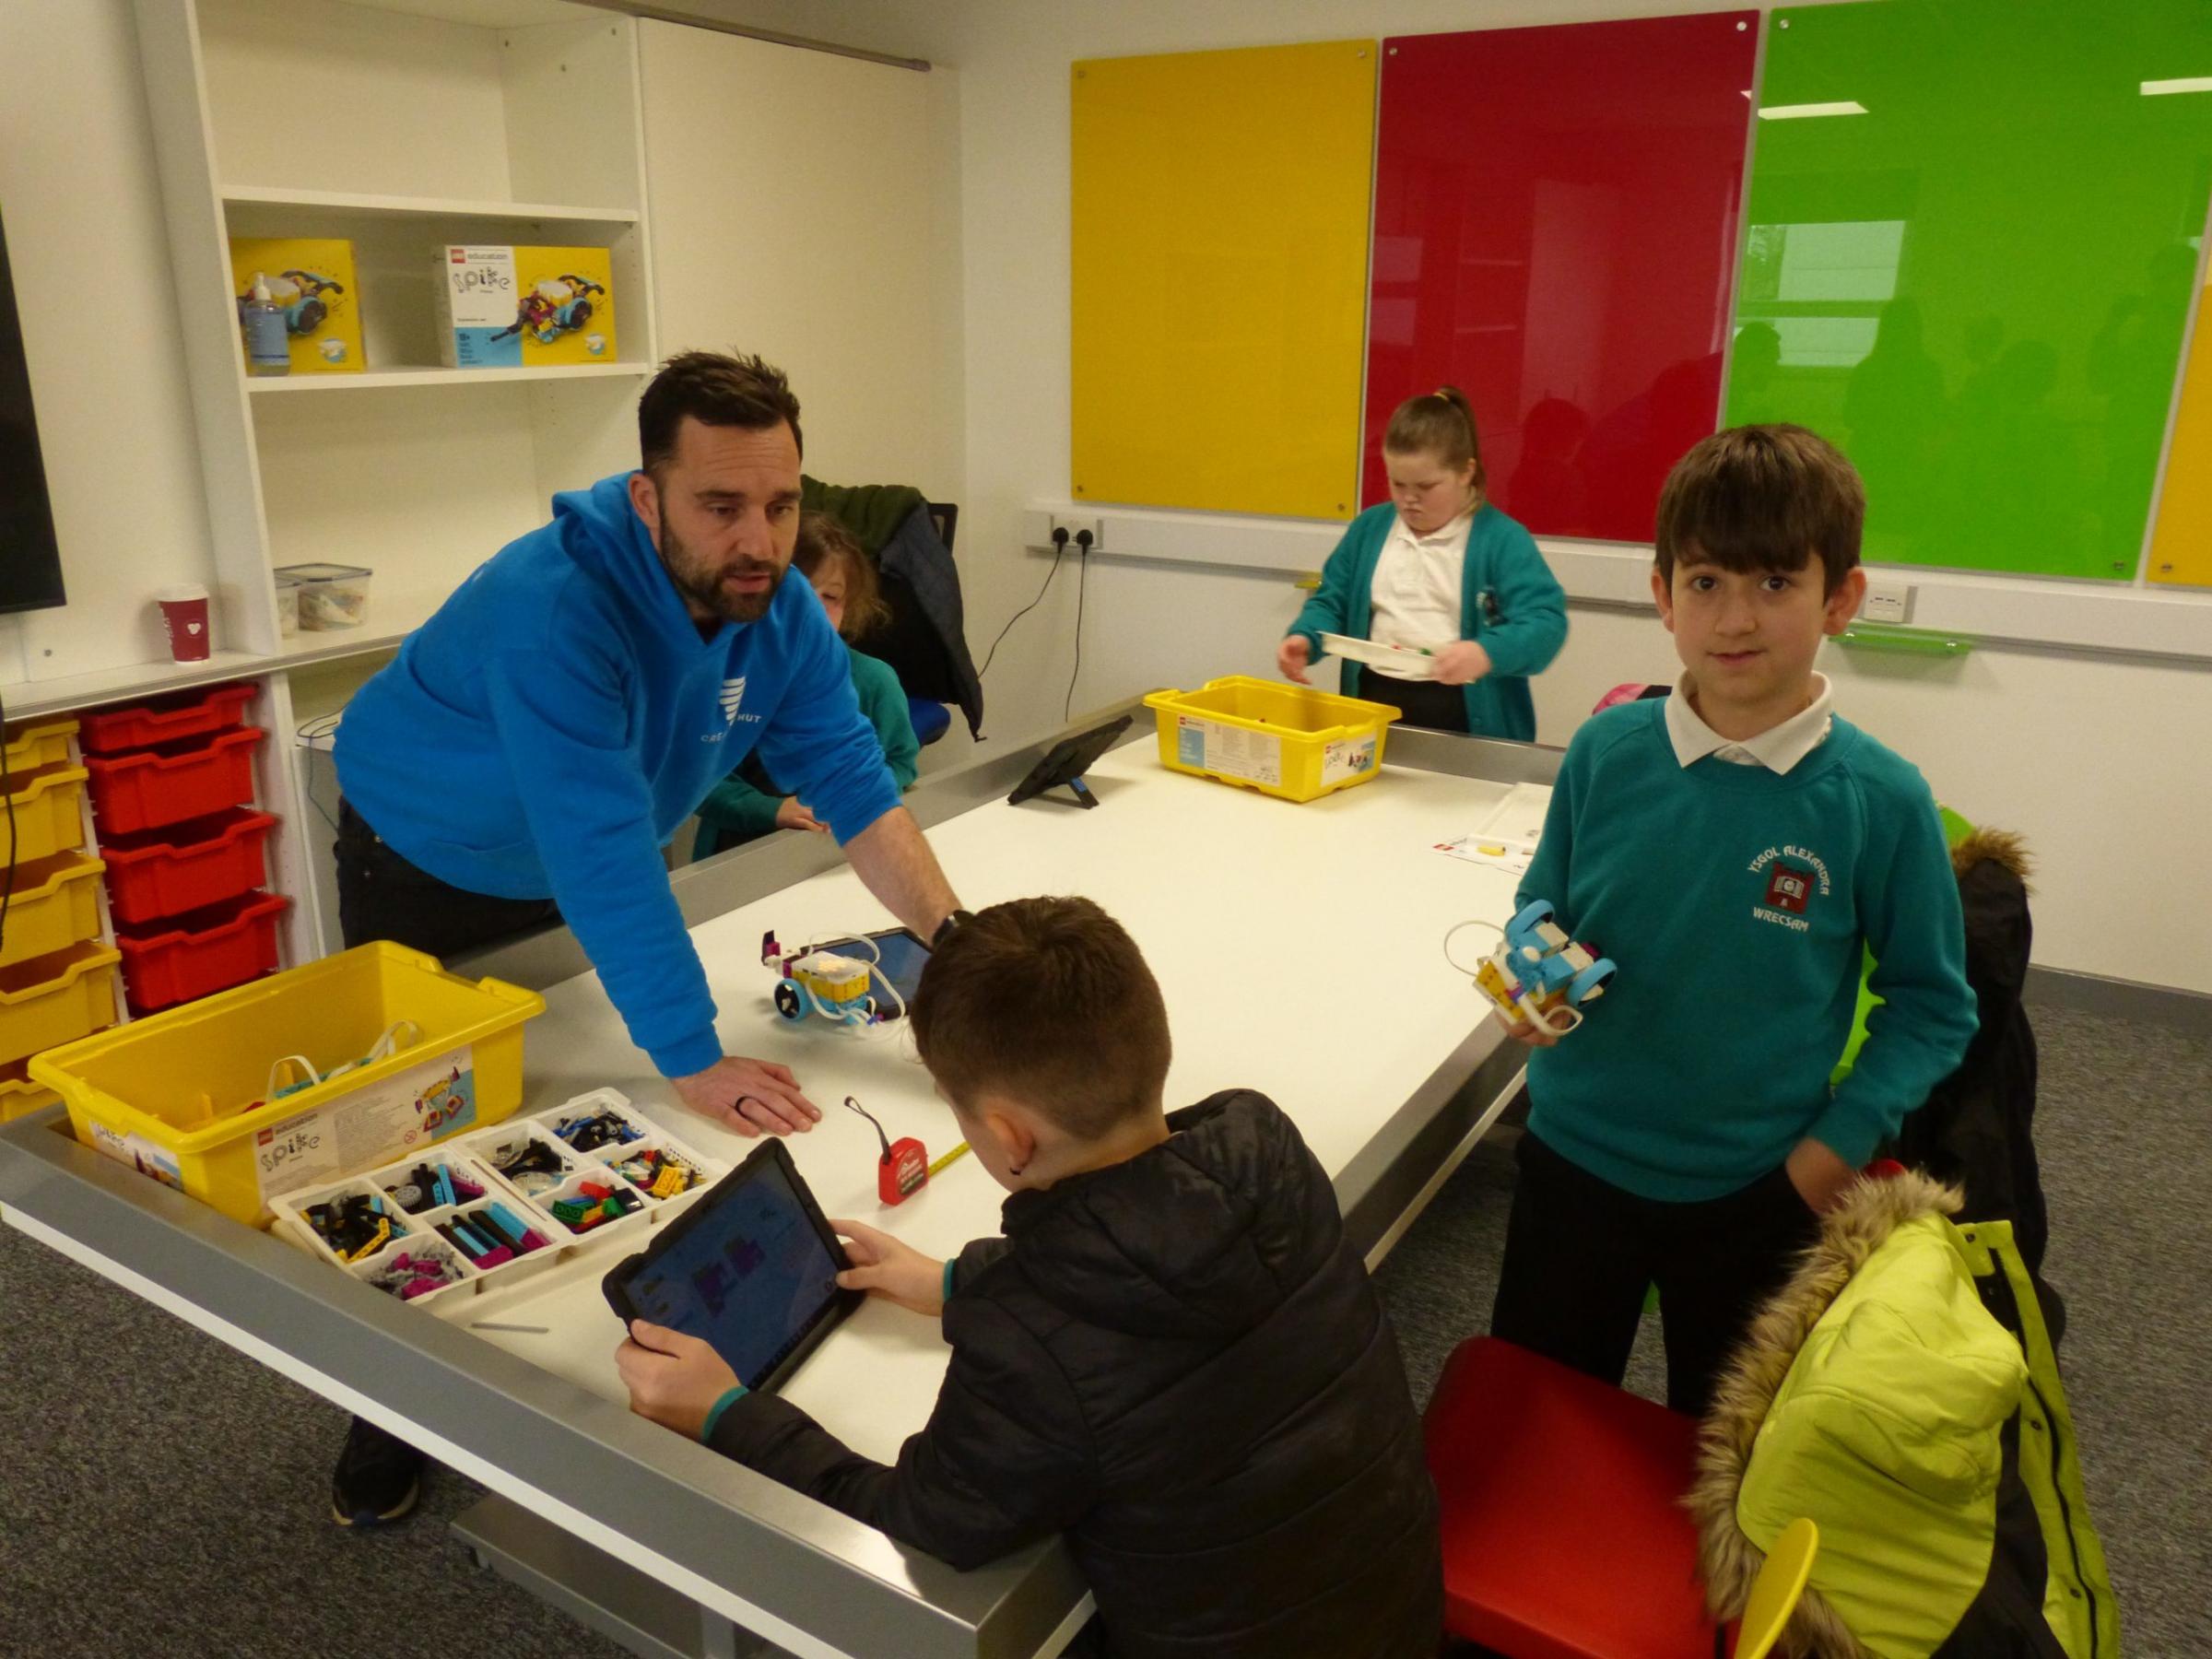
x,y
184,614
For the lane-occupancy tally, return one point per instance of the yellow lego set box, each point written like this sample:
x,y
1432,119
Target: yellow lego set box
x,y
311,282
502,307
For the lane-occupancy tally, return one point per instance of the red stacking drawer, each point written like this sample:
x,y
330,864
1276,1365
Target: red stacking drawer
x,y
188,867
196,955
166,785
165,719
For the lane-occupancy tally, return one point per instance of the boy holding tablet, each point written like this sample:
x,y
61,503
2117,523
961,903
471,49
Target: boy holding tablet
x,y
1171,1356
1737,848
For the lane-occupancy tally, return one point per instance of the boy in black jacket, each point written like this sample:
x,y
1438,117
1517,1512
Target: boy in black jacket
x,y
1171,1356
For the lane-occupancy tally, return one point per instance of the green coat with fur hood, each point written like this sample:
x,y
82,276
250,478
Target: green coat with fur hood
x,y
1901,1392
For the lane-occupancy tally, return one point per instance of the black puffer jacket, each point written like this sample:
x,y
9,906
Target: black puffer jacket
x,y
1178,1362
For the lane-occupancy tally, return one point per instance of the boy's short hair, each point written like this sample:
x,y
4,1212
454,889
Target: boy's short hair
x,y
716,389
824,541
1762,498
1049,1002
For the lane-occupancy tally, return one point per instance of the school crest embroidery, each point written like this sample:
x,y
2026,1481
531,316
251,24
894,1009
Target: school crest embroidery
x,y
1795,877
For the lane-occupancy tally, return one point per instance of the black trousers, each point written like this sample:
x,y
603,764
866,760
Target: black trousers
x,y
1579,1253
382,896
1423,702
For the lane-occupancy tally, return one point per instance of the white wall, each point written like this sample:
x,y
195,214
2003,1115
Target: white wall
x,y
2099,760
87,245
806,206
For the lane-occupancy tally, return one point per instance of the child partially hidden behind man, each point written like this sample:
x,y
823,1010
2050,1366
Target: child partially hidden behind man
x,y
1171,1356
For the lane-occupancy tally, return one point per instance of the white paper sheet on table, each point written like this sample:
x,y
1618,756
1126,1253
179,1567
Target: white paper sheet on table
x,y
1508,838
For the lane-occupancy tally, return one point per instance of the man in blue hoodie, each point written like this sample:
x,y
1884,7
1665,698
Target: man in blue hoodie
x,y
535,745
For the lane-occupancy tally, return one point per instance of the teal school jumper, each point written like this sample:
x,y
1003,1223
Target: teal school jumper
x,y
1509,603
1738,904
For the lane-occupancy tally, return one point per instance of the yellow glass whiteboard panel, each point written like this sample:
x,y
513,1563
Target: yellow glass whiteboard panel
x,y
1220,286
2180,548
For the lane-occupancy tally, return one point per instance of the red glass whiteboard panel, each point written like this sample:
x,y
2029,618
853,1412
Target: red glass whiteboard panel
x,y
1556,229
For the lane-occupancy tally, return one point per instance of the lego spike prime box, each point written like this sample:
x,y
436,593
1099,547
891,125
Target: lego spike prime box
x,y
313,281
513,307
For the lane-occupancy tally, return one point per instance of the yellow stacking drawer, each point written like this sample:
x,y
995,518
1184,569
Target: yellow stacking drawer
x,y
184,1095
19,1097
57,998
49,813
38,742
56,904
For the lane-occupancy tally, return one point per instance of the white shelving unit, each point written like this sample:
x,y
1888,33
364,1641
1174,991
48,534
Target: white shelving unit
x,y
399,125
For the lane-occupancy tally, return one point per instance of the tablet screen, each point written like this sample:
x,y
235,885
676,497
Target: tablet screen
x,y
750,1278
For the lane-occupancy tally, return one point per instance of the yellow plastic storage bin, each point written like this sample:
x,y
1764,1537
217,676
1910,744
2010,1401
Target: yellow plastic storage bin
x,y
56,999
49,808
180,1095
38,742
56,904
1281,740
19,1097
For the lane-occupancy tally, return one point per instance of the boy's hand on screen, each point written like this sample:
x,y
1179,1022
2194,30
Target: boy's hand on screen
x,y
1527,1031
1461,663
1291,657
1819,1174
673,1379
793,814
883,1267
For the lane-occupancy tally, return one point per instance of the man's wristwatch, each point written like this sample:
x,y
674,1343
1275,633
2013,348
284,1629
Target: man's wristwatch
x,y
946,927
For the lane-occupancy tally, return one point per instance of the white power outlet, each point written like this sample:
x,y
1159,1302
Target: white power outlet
x,y
1888,600
1074,525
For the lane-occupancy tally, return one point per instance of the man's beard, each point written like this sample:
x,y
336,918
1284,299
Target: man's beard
x,y
701,584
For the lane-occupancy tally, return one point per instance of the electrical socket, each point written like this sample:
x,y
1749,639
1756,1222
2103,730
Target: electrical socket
x,y
1888,600
1075,525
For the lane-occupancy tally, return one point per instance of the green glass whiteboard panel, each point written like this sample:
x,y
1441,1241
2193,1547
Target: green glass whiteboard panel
x,y
1970,256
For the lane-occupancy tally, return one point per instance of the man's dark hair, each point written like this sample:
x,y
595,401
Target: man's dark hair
x,y
1049,1002
715,390
1762,498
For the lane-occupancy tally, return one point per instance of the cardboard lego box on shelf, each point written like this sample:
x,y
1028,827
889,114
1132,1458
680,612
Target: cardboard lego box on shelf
x,y
509,307
313,280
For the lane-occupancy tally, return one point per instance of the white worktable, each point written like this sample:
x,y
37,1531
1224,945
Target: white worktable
x,y
1299,947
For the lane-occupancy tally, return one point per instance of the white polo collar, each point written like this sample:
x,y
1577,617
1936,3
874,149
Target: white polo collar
x,y
1778,749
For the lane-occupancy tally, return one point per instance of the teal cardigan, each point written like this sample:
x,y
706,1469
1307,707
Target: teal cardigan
x,y
735,811
1523,624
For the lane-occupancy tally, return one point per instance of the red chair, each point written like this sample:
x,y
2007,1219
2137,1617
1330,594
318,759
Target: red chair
x,y
1564,1535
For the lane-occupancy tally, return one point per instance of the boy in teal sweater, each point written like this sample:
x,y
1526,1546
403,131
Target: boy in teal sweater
x,y
1738,848
741,807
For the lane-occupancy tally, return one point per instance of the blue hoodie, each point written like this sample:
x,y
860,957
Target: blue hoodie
x,y
546,733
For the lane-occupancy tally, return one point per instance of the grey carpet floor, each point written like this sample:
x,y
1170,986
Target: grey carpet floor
x,y
159,1493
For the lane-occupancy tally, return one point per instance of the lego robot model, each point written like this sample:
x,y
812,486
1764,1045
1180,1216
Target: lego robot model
x,y
1536,973
830,983
558,305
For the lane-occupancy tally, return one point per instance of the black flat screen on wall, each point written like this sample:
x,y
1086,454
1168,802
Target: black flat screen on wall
x,y
31,562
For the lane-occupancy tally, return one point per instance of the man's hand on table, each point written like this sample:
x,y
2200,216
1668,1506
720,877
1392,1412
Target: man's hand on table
x,y
747,1096
674,1380
883,1267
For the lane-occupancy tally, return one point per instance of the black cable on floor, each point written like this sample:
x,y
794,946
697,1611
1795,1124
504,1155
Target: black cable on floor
x,y
1059,552
1082,586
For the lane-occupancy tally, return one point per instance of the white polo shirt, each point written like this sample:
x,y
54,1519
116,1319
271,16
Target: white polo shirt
x,y
1778,749
1416,593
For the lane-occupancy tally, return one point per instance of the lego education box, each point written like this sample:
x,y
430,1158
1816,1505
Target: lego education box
x,y
503,307
312,279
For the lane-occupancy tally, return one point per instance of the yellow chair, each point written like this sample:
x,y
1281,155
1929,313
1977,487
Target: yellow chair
x,y
1775,1592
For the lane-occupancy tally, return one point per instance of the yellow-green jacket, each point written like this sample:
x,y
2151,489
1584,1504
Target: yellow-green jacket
x,y
1903,1393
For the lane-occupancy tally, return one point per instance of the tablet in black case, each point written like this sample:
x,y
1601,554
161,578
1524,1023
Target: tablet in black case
x,y
750,1268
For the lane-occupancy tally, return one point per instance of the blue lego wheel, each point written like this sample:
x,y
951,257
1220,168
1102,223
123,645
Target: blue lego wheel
x,y
1591,981
791,1002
